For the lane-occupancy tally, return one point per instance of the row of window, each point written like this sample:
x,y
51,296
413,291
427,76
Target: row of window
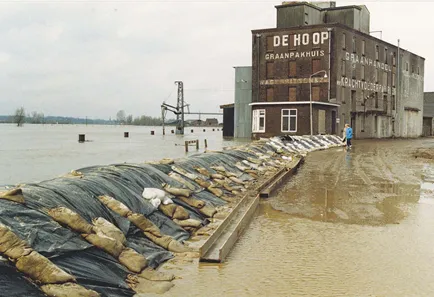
x,y
288,120
292,94
371,100
384,58
377,74
292,68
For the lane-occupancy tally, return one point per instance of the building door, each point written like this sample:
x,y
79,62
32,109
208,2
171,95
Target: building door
x,y
353,124
321,121
333,122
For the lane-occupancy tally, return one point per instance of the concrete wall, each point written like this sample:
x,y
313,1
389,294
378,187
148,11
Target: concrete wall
x,y
409,115
428,104
243,97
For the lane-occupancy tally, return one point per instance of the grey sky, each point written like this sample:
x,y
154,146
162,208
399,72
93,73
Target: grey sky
x,y
92,58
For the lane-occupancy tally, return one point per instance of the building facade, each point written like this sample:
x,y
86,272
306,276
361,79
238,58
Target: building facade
x,y
428,114
320,69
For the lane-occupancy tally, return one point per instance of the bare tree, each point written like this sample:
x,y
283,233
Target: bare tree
x,y
20,116
37,118
129,119
121,116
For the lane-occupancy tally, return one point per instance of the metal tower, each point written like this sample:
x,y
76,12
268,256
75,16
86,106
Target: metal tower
x,y
180,108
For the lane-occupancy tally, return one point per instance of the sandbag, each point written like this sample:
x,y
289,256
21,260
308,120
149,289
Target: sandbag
x,y
11,245
141,285
236,180
208,211
68,290
71,219
107,244
177,191
203,171
179,178
166,161
216,191
192,202
43,270
188,223
15,195
131,259
104,227
152,193
177,247
202,183
168,210
118,207
153,275
218,168
162,241
141,222
180,213
217,176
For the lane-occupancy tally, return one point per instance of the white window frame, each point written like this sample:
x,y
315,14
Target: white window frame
x,y
256,116
288,118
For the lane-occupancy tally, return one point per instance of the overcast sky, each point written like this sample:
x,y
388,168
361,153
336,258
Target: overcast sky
x,y
93,58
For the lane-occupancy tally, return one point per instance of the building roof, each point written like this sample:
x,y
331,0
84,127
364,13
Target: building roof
x,y
299,3
428,104
329,25
230,105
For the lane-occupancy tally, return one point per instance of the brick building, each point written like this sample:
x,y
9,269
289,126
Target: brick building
x,y
321,61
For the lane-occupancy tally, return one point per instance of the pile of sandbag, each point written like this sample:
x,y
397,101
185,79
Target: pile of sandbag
x,y
54,281
103,235
150,230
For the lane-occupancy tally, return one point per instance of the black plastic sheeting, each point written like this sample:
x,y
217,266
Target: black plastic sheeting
x,y
96,270
93,268
13,284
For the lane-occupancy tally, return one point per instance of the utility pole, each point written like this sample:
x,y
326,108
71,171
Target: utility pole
x,y
180,108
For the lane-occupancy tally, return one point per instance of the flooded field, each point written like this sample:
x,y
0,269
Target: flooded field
x,y
348,224
38,152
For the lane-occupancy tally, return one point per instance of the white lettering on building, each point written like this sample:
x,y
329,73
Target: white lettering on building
x,y
354,58
363,85
295,55
301,39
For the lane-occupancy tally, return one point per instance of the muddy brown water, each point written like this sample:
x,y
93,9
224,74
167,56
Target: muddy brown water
x,y
348,224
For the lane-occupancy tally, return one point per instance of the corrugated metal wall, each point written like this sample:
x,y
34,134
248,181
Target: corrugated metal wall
x,y
243,97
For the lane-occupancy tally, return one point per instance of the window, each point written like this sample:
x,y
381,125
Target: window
x,y
394,59
363,122
353,71
418,70
385,103
344,41
316,65
289,120
377,76
362,74
377,52
363,98
292,68
270,45
412,68
316,91
353,100
385,55
393,79
363,47
270,70
375,124
258,121
343,67
376,99
270,94
292,93
393,102
385,80
406,66
354,45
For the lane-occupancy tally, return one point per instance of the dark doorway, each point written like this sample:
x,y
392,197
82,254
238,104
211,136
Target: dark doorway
x,y
228,122
353,124
333,122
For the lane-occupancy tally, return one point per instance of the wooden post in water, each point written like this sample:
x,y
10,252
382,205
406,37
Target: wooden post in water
x,y
197,144
206,143
186,146
192,130
81,138
172,131
126,134
204,130
152,132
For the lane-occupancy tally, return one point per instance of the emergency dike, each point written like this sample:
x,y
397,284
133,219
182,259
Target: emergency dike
x,y
104,230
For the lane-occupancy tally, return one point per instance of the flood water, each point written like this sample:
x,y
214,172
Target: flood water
x,y
348,224
38,152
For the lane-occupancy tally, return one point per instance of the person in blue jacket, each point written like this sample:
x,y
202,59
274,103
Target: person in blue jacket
x,y
348,135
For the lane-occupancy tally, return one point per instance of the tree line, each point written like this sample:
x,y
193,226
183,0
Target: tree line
x,y
20,118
